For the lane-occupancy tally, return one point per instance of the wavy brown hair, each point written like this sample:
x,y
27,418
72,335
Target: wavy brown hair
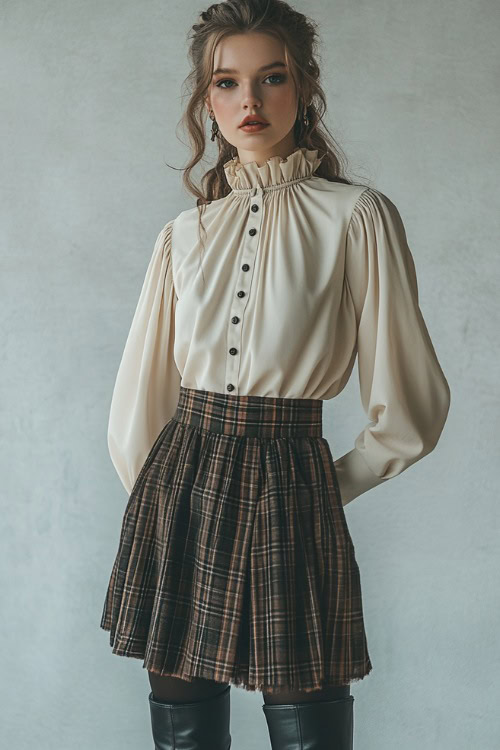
x,y
300,38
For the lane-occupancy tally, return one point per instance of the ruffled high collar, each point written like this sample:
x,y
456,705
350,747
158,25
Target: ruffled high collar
x,y
299,165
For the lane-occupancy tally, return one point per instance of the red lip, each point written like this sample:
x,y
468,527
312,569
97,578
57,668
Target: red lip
x,y
252,118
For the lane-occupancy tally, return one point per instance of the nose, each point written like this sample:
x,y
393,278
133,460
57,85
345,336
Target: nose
x,y
250,98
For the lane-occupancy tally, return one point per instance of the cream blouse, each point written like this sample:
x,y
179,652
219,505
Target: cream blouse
x,y
297,276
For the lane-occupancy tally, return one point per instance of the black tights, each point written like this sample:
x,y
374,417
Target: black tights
x,y
176,690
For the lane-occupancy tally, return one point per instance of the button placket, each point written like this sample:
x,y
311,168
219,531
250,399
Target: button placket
x,y
242,288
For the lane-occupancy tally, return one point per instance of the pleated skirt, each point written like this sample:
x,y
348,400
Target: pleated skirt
x,y
235,562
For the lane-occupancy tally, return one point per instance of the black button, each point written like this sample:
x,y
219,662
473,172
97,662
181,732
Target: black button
x,y
235,319
241,293
230,387
245,267
233,350
255,207
252,231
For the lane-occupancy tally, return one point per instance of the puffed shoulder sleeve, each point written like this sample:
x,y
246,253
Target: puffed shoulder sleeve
x,y
403,390
147,385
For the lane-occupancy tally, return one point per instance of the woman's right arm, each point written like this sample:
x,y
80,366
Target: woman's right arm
x,y
147,385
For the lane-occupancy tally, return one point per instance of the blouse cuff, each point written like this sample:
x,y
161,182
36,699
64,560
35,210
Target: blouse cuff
x,y
354,476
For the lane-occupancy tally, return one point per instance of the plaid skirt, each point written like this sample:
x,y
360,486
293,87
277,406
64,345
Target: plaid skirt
x,y
235,561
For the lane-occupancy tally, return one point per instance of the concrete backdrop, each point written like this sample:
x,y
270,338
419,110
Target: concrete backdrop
x,y
90,102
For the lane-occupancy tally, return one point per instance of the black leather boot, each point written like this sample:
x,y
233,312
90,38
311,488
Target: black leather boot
x,y
200,725
316,725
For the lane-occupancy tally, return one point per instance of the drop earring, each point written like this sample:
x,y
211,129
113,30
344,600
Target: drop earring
x,y
305,118
215,126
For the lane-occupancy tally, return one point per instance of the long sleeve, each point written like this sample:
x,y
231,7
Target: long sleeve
x,y
403,390
147,385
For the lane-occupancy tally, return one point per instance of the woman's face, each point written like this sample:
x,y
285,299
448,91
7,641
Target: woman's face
x,y
249,89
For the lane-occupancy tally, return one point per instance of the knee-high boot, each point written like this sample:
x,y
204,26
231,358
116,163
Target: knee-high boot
x,y
316,725
200,725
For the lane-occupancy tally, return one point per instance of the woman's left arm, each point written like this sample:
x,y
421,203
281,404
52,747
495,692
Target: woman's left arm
x,y
403,389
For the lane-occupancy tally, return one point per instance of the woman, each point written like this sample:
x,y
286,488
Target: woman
x,y
235,563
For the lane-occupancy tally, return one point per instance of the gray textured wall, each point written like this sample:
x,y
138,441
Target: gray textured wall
x,y
90,99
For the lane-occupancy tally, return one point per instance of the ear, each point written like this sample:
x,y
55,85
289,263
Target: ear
x,y
207,104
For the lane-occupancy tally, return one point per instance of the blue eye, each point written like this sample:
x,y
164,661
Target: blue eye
x,y
277,75
229,80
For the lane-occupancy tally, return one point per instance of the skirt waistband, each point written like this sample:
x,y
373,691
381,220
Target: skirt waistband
x,y
261,416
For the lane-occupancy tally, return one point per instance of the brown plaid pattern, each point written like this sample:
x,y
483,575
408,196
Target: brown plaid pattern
x,y
235,561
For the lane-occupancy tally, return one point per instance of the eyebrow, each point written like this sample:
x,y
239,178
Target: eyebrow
x,y
276,64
